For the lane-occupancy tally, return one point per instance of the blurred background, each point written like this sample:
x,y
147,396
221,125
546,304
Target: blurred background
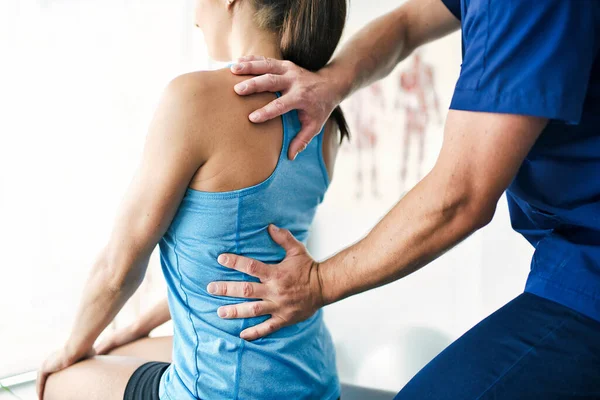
x,y
79,81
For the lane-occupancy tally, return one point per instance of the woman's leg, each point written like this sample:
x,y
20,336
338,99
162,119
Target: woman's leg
x,y
151,349
531,348
97,378
105,377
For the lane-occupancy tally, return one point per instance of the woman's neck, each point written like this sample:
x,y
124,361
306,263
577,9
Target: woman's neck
x,y
247,39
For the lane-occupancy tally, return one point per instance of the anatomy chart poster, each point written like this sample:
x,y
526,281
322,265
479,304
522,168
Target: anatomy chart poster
x,y
396,127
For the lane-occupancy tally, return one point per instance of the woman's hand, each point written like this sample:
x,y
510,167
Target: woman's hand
x,y
119,338
58,361
290,291
313,94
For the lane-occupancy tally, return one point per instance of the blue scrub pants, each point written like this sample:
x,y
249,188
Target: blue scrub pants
x,y
531,348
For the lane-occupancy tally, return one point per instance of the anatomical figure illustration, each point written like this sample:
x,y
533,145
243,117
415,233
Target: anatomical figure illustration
x,y
365,109
377,110
417,99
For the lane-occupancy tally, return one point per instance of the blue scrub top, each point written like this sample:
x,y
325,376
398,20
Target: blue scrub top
x,y
542,58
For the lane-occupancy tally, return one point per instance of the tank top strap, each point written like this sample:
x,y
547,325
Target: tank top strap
x,y
313,154
291,126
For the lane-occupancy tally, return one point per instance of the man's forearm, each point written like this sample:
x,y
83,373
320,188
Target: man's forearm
x,y
428,221
370,54
480,157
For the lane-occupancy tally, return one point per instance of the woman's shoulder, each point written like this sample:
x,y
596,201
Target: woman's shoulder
x,y
209,95
201,87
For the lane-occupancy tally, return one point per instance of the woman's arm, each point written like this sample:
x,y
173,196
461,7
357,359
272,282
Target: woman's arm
x,y
153,318
369,55
170,159
172,154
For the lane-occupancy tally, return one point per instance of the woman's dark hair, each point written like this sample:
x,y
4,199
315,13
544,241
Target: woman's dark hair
x,y
310,31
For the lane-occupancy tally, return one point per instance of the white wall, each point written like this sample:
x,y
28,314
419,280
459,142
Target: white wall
x,y
75,99
385,336
79,81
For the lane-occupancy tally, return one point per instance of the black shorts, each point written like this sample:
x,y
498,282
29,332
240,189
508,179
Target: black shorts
x,y
144,383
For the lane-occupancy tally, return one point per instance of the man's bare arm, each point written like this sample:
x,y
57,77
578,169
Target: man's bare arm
x,y
480,156
369,55
373,52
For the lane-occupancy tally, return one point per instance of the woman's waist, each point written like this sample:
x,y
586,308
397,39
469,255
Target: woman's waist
x,y
212,349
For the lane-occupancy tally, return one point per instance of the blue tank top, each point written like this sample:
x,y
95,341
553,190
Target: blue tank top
x,y
210,361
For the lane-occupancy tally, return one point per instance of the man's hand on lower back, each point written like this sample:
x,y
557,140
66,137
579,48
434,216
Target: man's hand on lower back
x,y
289,291
313,94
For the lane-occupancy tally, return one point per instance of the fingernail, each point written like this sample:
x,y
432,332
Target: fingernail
x,y
254,116
236,67
212,288
222,312
222,259
244,335
275,229
300,151
241,87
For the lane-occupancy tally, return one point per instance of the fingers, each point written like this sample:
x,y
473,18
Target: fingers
x,y
272,110
246,265
285,239
302,140
263,83
246,310
250,58
104,347
260,66
246,290
261,330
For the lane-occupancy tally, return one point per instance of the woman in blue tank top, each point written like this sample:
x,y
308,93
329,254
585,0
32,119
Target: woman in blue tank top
x,y
211,182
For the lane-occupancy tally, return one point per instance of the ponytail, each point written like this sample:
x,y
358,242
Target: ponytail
x,y
310,31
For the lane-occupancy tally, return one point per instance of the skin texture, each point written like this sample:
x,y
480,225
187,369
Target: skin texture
x,y
199,128
105,377
480,156
200,138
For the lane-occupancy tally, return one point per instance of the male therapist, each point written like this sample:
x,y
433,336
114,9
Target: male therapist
x,y
525,119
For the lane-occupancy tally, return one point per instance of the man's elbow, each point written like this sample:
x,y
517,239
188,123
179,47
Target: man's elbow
x,y
479,207
481,212
471,209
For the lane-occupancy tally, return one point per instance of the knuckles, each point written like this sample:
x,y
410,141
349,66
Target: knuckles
x,y
288,65
278,104
269,63
252,267
272,79
247,289
287,235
